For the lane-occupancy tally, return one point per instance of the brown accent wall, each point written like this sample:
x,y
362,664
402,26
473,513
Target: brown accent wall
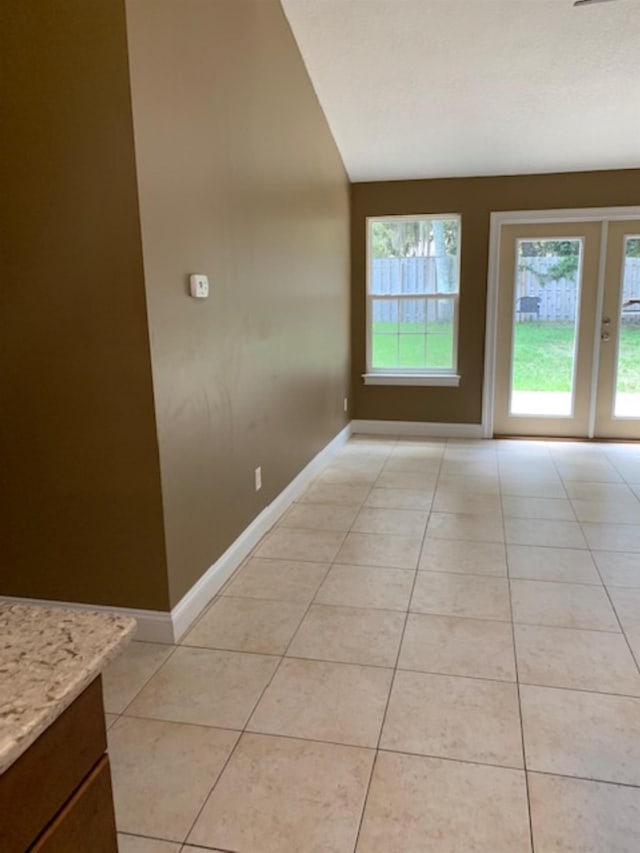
x,y
81,518
239,178
474,199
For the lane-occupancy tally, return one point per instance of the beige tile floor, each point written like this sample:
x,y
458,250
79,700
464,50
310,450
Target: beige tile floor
x,y
432,651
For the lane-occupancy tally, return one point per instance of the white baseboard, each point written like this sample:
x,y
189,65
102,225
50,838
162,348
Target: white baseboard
x,y
157,626
193,603
418,428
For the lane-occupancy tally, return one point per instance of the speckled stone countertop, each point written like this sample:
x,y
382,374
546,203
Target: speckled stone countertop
x,y
48,655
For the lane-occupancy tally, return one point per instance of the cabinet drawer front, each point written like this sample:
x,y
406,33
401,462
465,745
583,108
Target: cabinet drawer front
x,y
87,823
41,781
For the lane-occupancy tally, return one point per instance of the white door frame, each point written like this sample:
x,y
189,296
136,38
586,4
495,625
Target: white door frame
x,y
534,217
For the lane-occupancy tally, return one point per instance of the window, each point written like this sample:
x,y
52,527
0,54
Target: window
x,y
412,300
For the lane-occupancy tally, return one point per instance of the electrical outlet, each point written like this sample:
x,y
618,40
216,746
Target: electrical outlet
x,y
346,405
258,478
198,286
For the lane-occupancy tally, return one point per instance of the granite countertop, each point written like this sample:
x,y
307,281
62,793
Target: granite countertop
x,y
48,655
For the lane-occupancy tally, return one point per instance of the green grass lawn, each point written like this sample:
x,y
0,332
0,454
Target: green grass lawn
x,y
408,348
543,353
544,357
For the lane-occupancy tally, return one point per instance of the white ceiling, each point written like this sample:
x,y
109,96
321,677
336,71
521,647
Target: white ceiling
x,y
440,88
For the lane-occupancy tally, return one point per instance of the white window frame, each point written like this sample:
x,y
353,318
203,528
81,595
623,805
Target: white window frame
x,y
405,375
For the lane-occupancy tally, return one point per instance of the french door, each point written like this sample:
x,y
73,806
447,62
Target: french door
x,y
568,330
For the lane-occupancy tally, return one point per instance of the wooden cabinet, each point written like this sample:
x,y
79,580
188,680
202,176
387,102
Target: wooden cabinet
x,y
86,821
56,798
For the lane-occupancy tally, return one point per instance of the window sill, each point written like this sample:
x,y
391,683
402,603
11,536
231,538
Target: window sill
x,y
449,380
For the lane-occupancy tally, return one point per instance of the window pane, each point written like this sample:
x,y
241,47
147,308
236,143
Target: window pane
x,y
413,333
547,298
386,276
414,256
384,340
412,341
412,350
447,274
627,402
413,316
440,334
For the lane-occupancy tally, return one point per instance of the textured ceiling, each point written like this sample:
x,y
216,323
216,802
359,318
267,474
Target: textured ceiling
x,y
434,88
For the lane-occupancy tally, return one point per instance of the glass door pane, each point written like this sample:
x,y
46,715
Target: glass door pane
x,y
627,388
545,327
618,402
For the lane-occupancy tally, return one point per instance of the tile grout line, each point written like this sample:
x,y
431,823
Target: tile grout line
x,y
394,751
153,674
375,754
502,577
150,837
413,670
618,620
395,670
607,593
518,694
592,779
509,767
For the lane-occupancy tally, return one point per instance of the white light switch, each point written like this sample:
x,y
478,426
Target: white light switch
x,y
199,286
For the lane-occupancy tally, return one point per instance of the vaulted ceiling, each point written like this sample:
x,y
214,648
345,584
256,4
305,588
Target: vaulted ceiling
x,y
435,88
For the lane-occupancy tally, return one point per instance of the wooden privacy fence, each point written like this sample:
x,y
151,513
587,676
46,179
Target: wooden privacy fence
x,y
429,276
558,298
414,276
